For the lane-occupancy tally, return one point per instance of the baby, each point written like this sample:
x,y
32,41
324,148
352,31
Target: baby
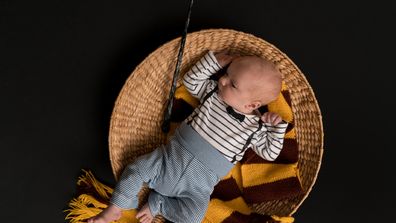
x,y
208,143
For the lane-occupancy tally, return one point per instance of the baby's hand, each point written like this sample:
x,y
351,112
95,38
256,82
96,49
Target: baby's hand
x,y
224,58
271,117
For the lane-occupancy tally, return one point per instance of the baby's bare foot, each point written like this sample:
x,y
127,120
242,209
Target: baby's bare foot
x,y
144,215
111,213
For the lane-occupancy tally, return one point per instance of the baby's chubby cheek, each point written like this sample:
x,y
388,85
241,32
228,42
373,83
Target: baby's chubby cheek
x,y
220,94
224,99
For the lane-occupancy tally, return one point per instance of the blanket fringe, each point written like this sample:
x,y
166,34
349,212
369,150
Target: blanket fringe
x,y
89,179
86,205
93,198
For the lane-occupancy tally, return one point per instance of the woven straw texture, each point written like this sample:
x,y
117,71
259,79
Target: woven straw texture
x,y
135,127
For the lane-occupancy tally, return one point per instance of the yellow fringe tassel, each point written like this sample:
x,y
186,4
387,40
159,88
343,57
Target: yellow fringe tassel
x,y
86,206
89,179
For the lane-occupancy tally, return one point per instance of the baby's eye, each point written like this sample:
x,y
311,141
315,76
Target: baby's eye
x,y
232,83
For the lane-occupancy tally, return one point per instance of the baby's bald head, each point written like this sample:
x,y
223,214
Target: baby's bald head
x,y
260,77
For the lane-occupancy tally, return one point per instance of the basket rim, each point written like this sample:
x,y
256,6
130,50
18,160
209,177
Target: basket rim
x,y
207,31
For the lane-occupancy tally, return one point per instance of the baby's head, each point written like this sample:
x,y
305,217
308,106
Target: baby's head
x,y
250,82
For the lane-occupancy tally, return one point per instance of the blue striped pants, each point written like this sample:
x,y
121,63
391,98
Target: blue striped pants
x,y
182,175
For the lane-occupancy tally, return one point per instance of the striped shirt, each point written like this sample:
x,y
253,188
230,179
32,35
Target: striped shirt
x,y
227,134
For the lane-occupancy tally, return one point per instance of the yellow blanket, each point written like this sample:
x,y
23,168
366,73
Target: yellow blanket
x,y
252,180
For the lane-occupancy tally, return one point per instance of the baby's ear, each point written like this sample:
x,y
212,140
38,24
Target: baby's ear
x,y
254,105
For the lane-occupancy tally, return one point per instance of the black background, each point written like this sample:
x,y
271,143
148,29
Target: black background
x,y
63,64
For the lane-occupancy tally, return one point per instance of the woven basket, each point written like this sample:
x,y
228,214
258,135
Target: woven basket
x,y
135,127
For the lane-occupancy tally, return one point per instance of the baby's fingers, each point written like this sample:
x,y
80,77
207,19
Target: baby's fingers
x,y
276,120
271,117
224,57
265,117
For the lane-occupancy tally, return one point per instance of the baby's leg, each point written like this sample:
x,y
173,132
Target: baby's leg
x,y
186,209
125,194
143,170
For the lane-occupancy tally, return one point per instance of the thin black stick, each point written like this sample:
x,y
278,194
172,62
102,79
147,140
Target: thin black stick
x,y
168,111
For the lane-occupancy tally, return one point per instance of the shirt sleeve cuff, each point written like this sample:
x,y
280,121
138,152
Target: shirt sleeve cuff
x,y
212,59
122,202
282,124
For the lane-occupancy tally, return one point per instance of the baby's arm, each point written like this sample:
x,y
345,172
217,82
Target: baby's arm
x,y
270,140
196,80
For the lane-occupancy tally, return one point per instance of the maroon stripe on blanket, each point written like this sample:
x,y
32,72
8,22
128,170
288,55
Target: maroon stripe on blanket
x,y
226,190
180,110
289,154
290,126
284,188
286,95
261,218
237,217
251,157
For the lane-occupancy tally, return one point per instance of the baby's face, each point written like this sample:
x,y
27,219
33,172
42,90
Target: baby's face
x,y
238,87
